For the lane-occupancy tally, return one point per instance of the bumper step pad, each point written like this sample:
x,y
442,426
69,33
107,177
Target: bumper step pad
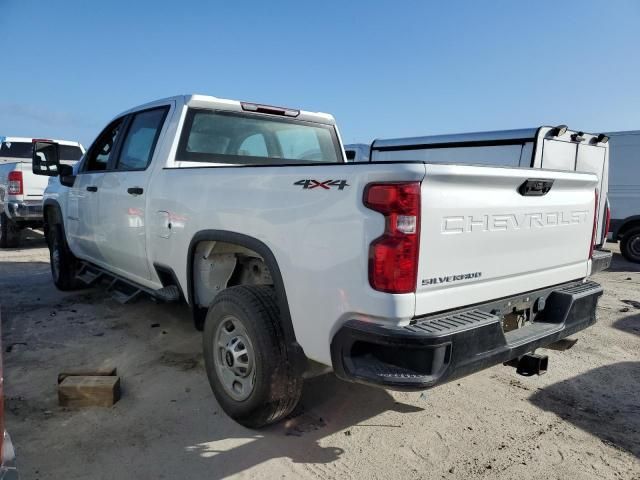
x,y
454,322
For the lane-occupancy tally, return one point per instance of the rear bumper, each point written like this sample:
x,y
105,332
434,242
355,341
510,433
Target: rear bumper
x,y
601,260
27,210
438,349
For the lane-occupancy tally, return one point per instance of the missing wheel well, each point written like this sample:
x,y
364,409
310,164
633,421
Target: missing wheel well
x,y
219,265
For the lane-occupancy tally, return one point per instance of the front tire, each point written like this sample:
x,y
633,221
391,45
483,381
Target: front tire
x,y
9,232
249,366
630,245
64,264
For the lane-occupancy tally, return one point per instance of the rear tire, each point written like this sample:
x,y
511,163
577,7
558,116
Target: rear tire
x,y
64,264
250,369
9,232
630,245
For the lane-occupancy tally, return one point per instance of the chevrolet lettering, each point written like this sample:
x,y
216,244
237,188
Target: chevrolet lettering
x,y
503,222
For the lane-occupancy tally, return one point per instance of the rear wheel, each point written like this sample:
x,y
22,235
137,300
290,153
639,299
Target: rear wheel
x,y
63,263
630,245
9,232
248,364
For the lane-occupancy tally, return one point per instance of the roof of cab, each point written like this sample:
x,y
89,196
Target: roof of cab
x,y
207,101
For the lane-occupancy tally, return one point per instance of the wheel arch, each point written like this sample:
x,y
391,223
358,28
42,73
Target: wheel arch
x,y
269,258
50,205
625,225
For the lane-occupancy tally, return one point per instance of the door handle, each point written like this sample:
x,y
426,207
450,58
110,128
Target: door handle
x,y
92,188
135,191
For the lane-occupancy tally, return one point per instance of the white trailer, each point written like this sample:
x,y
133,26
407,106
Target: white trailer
x,y
624,192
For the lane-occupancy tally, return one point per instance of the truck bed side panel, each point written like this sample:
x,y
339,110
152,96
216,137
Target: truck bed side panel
x,y
319,236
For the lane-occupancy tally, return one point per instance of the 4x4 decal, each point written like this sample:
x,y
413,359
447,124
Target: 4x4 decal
x,y
310,184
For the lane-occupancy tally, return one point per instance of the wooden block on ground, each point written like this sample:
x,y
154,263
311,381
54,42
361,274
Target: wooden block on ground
x,y
90,390
84,372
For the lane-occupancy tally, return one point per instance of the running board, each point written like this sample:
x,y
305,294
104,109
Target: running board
x,y
88,276
123,290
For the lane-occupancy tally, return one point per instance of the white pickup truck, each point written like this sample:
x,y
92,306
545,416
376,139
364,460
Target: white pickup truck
x,y
20,190
403,275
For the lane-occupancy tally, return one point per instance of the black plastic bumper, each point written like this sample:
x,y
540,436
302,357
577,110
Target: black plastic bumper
x,y
601,260
437,349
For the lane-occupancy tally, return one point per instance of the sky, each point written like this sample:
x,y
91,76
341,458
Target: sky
x,y
383,69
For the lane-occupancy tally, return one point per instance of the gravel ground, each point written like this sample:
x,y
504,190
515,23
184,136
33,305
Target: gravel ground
x,y
579,421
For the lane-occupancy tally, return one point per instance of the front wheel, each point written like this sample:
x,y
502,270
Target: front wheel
x,y
63,263
630,245
250,369
9,232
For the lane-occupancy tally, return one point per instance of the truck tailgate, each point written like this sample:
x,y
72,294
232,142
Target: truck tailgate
x,y
482,239
34,185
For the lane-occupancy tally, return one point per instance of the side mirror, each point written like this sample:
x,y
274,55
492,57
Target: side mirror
x,y
45,159
67,178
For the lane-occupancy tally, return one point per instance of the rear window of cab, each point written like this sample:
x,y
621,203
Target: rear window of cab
x,y
255,139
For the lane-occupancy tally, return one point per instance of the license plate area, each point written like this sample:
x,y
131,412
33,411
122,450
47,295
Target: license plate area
x,y
517,318
519,312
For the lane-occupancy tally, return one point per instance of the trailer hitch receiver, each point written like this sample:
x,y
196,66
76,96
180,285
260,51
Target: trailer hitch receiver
x,y
532,364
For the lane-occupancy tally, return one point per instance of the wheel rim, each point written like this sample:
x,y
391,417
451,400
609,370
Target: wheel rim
x,y
55,258
634,246
234,358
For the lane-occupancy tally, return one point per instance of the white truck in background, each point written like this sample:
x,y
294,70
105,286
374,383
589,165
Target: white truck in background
x,y
402,274
357,152
624,192
552,148
20,190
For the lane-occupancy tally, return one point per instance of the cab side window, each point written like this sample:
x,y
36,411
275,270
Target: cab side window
x,y
102,150
140,141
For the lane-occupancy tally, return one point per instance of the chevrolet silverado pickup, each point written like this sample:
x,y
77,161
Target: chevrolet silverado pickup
x,y
20,190
403,275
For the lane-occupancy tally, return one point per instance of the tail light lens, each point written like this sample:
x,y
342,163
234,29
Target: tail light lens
x,y
15,183
595,225
393,257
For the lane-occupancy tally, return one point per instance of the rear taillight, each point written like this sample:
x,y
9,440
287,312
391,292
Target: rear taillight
x,y
15,183
393,257
595,225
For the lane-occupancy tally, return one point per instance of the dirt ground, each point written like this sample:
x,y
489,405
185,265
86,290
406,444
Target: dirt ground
x,y
579,421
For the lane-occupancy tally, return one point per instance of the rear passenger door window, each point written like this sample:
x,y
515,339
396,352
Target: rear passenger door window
x,y
141,138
